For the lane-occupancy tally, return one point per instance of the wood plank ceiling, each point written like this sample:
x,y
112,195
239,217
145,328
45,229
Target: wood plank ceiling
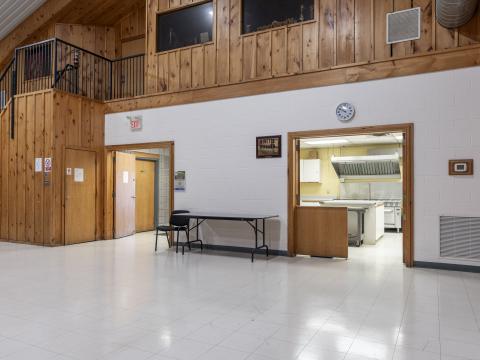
x,y
96,12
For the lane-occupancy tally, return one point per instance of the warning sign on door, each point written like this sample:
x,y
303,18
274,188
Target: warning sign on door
x,y
48,165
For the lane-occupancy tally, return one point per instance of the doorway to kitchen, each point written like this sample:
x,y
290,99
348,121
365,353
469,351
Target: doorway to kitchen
x,y
139,188
351,192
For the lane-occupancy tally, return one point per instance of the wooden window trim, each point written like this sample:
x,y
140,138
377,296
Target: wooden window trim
x,y
182,7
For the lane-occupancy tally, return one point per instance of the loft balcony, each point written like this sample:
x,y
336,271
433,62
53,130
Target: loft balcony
x,y
56,64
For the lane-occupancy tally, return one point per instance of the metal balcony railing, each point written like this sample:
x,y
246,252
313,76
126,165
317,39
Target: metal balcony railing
x,y
56,64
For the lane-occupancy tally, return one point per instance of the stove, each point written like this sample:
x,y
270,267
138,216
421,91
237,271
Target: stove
x,y
393,214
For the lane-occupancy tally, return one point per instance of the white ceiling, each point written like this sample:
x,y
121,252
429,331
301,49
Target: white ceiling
x,y
342,141
13,12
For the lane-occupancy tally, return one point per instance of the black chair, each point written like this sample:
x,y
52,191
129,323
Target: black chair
x,y
177,223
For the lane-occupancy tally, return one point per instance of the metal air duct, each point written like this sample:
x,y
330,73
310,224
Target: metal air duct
x,y
455,13
364,167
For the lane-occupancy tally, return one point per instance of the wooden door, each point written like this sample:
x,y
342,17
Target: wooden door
x,y
80,196
321,231
145,190
124,194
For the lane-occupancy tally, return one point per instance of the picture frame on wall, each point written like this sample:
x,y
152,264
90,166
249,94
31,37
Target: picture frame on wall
x,y
269,147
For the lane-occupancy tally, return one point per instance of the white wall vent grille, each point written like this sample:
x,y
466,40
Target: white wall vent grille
x,y
403,25
460,237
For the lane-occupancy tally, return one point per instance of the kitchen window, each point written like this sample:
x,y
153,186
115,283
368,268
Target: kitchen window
x,y
185,27
258,15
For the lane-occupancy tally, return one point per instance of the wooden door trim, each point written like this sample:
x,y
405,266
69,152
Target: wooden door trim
x,y
109,178
408,177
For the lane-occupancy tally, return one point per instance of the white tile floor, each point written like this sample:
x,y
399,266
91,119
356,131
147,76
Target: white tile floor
x,y
118,300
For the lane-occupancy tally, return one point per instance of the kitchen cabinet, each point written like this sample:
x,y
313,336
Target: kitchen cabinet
x,y
373,228
310,171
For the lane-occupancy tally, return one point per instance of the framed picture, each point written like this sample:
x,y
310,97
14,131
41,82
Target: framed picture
x,y
269,147
460,167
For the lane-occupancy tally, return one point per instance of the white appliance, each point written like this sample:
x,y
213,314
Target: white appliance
x,y
310,171
393,214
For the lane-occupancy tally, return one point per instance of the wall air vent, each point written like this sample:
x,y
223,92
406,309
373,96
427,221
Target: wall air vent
x,y
403,25
460,237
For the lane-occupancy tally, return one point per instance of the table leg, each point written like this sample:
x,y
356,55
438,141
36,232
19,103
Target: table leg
x,y
264,234
264,244
256,239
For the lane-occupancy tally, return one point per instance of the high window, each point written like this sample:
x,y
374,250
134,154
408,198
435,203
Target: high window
x,y
185,27
260,15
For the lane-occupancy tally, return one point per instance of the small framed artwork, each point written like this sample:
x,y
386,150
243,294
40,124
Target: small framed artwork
x,y
460,167
269,147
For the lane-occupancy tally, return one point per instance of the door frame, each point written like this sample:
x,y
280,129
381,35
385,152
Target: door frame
x,y
408,178
109,178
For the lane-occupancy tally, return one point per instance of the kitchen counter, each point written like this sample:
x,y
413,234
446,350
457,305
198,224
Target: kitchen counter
x,y
373,221
354,203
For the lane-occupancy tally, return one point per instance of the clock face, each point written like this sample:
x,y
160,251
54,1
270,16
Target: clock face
x,y
345,112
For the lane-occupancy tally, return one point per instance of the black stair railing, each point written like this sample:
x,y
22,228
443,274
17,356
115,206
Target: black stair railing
x,y
6,86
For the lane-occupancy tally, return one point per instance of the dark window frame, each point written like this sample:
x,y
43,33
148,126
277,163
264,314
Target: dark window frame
x,y
181,8
242,19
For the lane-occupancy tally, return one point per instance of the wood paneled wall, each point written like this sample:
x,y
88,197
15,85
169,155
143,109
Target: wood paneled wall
x,y
27,214
344,32
46,122
130,31
97,39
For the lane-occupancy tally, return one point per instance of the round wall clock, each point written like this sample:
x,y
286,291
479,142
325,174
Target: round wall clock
x,y
345,112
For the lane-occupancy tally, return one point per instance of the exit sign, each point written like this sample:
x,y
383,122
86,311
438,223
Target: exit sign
x,y
136,123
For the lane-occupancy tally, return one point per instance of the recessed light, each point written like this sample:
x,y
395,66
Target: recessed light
x,y
326,142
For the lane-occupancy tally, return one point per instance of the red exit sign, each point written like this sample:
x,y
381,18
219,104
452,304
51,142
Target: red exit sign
x,y
136,123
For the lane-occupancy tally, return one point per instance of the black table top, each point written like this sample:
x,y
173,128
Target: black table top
x,y
226,216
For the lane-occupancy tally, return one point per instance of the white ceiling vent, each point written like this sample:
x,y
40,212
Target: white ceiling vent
x,y
460,237
403,25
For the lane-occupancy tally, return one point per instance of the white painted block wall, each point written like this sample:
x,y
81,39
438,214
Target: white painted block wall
x,y
215,144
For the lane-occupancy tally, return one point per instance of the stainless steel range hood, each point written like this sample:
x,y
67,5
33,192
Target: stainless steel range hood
x,y
364,167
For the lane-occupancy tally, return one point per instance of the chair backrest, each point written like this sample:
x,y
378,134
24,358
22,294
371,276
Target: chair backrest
x,y
178,220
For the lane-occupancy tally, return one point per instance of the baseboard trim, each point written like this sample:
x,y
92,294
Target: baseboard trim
x,y
237,249
444,266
